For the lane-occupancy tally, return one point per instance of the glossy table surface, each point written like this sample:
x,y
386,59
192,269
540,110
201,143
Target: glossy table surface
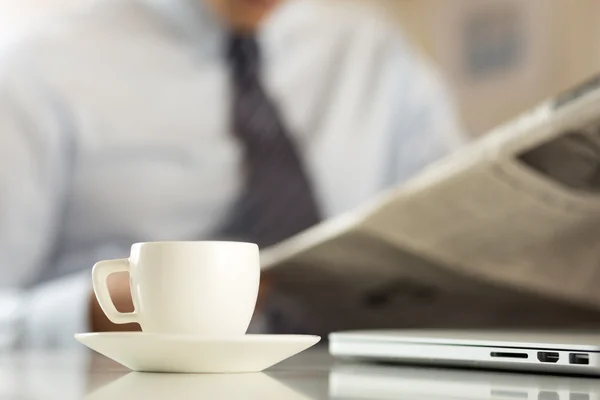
x,y
310,375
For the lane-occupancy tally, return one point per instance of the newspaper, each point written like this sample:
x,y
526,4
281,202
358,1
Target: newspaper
x,y
503,233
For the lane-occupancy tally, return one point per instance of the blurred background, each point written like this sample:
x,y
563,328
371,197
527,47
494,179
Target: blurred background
x,y
503,56
500,56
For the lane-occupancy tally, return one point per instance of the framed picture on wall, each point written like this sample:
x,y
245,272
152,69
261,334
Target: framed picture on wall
x,y
497,54
494,41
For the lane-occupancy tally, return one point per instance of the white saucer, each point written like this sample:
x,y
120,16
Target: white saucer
x,y
145,352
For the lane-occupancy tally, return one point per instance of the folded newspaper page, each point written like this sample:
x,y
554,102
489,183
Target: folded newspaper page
x,y
503,233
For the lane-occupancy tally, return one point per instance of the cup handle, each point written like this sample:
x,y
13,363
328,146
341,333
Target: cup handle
x,y
100,274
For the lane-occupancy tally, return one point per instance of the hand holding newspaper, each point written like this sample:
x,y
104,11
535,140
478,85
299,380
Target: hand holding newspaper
x,y
504,233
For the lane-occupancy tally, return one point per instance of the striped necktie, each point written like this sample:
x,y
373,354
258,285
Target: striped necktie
x,y
278,201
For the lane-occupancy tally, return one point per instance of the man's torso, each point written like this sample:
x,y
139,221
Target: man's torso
x,y
148,110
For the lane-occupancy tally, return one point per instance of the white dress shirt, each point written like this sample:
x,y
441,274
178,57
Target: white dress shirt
x,y
114,129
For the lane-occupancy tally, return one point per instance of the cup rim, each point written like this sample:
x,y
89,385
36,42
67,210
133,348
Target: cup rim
x,y
195,243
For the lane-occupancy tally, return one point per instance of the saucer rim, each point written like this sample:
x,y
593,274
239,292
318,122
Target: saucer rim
x,y
285,338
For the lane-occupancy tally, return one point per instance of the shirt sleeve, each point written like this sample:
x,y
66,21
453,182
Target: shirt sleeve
x,y
54,311
428,125
46,316
33,180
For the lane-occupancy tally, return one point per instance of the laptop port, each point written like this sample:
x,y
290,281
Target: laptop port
x,y
548,395
579,358
547,356
579,396
497,354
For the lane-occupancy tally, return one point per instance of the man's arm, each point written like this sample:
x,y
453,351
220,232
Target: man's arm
x,y
35,152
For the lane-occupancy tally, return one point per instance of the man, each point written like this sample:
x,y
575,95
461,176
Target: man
x,y
143,120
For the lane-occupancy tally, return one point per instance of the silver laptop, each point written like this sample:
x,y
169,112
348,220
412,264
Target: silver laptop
x,y
570,353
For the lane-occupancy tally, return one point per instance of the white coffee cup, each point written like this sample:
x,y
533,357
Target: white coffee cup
x,y
186,288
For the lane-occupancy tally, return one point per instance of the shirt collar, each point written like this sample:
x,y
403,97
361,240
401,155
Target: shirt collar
x,y
193,21
196,22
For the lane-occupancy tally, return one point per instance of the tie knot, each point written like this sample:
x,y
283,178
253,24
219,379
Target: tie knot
x,y
244,52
